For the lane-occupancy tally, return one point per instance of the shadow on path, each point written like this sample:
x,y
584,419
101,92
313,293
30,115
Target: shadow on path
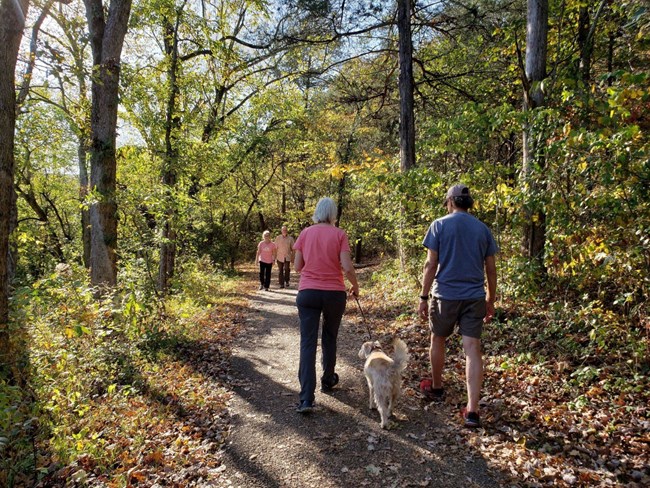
x,y
341,443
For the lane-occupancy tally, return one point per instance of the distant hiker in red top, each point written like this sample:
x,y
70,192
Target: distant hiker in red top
x,y
266,252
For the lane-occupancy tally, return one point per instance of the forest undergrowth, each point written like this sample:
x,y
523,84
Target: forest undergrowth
x,y
123,393
566,397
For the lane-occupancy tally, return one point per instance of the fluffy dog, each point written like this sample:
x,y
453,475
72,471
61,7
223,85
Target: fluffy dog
x,y
384,376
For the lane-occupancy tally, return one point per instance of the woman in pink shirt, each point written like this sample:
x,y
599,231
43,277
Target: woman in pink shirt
x,y
322,256
266,251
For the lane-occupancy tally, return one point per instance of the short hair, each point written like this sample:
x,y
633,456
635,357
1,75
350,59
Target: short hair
x,y
325,211
464,202
266,233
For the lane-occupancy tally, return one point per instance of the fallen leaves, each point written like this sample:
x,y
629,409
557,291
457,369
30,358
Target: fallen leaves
x,y
545,422
171,425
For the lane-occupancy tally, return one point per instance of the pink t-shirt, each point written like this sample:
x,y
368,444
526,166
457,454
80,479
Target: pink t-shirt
x,y
321,247
266,250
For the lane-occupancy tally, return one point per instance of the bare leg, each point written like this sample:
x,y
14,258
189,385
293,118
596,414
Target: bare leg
x,y
473,371
437,358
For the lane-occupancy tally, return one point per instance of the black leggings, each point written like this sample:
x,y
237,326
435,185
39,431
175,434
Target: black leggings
x,y
265,274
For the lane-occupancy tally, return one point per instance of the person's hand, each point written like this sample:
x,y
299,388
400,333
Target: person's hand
x,y
489,311
423,309
354,291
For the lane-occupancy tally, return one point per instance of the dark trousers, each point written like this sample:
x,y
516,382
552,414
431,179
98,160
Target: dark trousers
x,y
265,274
284,267
311,305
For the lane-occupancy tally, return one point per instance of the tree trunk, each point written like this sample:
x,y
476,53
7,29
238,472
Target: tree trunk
x,y
585,45
340,205
345,160
82,158
169,176
407,121
357,251
534,232
260,216
12,23
107,37
284,189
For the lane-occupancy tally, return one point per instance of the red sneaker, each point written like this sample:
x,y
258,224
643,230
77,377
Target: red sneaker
x,y
471,420
429,393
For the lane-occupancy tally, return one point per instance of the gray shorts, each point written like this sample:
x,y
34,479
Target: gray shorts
x,y
468,314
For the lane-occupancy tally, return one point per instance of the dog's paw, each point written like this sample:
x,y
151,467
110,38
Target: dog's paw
x,y
389,425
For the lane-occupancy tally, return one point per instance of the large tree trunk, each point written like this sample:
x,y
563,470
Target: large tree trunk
x,y
12,23
407,121
406,111
534,232
107,36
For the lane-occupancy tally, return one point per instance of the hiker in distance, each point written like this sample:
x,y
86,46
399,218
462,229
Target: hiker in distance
x,y
284,244
460,254
322,256
266,252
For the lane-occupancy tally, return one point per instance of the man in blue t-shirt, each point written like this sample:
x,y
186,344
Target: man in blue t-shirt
x,y
460,254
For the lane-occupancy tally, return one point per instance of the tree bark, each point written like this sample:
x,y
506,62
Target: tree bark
x,y
107,37
534,232
169,175
585,45
12,23
407,118
82,158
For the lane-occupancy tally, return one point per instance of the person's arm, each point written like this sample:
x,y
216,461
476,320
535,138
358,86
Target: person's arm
x,y
298,262
275,252
428,275
257,256
350,273
490,297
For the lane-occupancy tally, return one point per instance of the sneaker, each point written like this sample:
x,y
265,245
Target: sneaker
x,y
429,393
305,407
471,419
281,286
328,384
261,287
266,289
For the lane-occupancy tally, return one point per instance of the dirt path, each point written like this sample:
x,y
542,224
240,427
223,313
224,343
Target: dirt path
x,y
340,444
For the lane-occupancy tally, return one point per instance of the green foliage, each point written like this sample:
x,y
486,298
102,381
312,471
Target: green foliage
x,y
261,135
48,229
202,283
18,423
86,352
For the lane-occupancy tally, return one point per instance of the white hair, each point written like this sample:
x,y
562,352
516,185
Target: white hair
x,y
325,211
266,233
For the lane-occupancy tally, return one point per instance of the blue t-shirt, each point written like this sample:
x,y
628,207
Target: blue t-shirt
x,y
462,243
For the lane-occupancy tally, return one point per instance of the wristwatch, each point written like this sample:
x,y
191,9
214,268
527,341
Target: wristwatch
x,y
424,298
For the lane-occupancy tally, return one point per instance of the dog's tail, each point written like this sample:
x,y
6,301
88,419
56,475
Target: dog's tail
x,y
400,355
